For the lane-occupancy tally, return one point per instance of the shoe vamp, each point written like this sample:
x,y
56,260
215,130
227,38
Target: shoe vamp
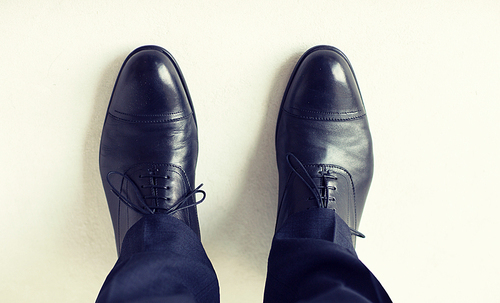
x,y
125,143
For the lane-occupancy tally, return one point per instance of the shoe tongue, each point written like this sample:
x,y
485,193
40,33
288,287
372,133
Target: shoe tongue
x,y
161,185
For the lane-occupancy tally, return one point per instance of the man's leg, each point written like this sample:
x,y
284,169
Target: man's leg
x,y
325,163
162,260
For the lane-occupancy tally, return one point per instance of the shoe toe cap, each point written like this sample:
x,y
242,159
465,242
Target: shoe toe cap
x,y
150,88
324,87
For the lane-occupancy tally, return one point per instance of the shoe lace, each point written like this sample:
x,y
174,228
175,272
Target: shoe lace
x,y
143,207
323,198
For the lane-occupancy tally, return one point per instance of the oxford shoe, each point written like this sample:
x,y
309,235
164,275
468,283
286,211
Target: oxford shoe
x,y
323,141
149,143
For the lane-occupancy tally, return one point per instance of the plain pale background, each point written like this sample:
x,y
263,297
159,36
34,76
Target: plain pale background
x,y
429,72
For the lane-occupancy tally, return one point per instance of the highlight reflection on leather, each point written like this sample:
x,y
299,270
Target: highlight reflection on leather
x,y
149,142
322,123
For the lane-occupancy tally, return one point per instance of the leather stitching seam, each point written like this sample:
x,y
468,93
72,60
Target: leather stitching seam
x,y
159,121
328,113
153,115
323,119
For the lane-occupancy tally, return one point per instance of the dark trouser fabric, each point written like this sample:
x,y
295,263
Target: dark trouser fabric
x,y
312,260
162,260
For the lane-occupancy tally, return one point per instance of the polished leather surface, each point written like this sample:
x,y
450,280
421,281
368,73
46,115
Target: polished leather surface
x,y
322,129
149,143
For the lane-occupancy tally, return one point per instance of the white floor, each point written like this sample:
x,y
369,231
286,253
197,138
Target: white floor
x,y
429,72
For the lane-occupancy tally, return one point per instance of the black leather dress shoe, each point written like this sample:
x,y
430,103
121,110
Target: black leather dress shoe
x,y
323,142
149,143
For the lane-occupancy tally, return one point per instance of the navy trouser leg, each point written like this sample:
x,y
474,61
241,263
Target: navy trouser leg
x,y
162,260
312,260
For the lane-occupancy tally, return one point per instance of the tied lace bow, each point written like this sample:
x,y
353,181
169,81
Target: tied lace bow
x,y
143,208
